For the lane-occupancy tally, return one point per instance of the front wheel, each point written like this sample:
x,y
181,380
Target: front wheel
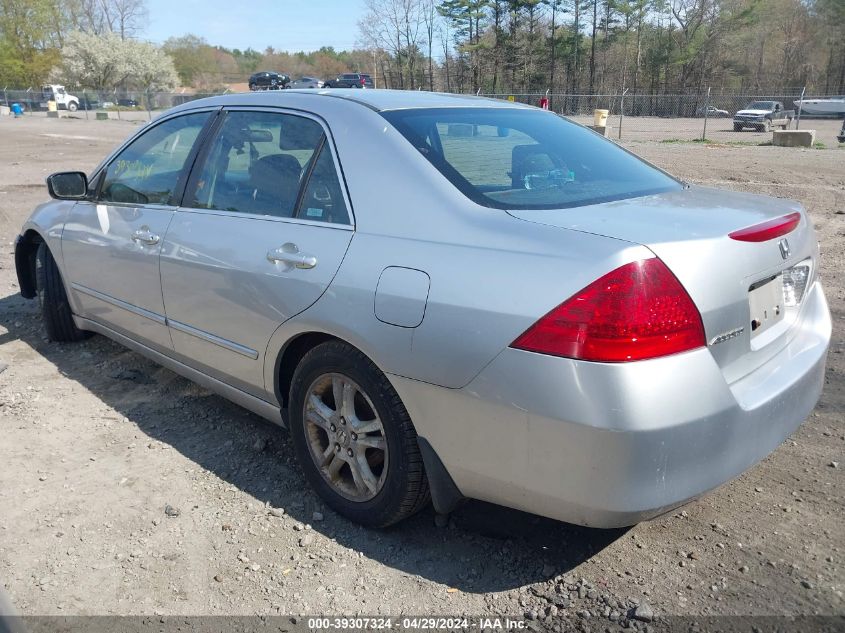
x,y
52,298
354,438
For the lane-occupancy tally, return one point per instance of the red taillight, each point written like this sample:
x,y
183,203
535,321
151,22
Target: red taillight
x,y
769,230
638,311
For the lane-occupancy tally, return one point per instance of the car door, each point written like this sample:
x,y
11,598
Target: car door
x,y
263,228
111,244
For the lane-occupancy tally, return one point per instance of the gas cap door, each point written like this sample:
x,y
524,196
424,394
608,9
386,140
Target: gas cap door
x,y
401,296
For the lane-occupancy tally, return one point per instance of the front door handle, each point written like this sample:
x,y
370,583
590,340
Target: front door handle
x,y
145,236
289,253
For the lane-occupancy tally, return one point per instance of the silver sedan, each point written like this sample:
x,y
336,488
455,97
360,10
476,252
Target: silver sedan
x,y
445,297
307,82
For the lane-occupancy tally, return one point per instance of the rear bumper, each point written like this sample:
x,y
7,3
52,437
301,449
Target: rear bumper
x,y
608,445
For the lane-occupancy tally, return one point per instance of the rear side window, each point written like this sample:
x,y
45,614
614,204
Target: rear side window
x,y
148,170
269,163
510,158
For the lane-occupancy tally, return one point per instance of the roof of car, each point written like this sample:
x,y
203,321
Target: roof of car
x,y
379,100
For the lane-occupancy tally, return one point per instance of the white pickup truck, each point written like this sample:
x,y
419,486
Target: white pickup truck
x,y
64,101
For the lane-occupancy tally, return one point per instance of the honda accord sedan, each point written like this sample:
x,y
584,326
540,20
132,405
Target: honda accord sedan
x,y
445,297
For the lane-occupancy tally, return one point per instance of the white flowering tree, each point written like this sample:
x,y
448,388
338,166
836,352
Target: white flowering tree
x,y
150,67
108,62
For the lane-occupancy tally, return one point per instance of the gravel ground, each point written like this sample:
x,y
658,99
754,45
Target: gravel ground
x,y
128,490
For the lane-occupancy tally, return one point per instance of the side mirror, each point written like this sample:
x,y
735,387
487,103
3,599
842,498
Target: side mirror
x,y
68,185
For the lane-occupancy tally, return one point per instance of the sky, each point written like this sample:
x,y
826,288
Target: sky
x,y
286,25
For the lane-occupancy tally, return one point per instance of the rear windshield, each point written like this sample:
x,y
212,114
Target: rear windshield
x,y
526,159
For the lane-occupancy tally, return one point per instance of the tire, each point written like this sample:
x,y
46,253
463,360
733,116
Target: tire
x,y
737,128
391,483
72,106
52,299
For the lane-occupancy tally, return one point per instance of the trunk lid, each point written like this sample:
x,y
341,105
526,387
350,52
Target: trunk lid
x,y
689,230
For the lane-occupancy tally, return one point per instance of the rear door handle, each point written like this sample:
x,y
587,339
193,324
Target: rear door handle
x,y
289,253
145,236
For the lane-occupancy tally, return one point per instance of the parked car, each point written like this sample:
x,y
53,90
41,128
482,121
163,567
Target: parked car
x,y
535,318
763,116
89,103
712,111
307,82
350,80
268,80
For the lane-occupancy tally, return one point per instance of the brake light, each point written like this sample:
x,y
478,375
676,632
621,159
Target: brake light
x,y
638,311
768,230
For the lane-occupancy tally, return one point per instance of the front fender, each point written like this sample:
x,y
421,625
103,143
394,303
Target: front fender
x,y
46,224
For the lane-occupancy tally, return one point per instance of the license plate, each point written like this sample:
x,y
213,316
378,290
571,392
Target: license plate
x,y
766,306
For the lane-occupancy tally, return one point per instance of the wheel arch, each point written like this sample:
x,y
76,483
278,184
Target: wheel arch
x,y
26,248
445,494
289,357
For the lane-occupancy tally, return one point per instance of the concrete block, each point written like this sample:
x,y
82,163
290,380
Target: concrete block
x,y
793,138
601,129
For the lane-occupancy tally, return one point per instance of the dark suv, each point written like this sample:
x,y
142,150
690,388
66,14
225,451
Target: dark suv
x,y
350,80
268,80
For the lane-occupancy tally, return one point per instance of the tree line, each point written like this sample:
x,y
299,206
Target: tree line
x,y
648,47
608,46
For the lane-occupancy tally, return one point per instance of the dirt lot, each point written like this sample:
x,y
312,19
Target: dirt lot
x,y
97,441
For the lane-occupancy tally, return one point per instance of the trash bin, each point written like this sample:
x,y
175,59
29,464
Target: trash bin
x,y
600,117
17,110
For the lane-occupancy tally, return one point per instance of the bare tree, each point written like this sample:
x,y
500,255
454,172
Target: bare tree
x,y
395,25
429,16
126,18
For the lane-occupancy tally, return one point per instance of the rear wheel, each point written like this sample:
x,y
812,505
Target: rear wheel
x,y
354,438
52,298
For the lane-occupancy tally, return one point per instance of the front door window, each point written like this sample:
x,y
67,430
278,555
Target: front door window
x,y
148,170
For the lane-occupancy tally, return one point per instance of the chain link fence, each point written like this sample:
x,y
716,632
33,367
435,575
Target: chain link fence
x,y
131,105
673,117
631,117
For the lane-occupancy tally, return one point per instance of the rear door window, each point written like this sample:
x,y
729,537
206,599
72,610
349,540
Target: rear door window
x,y
272,164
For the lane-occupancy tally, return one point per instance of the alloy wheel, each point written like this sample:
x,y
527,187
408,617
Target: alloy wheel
x,y
346,437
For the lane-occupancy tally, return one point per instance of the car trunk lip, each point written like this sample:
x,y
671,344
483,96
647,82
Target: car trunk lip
x,y
692,213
